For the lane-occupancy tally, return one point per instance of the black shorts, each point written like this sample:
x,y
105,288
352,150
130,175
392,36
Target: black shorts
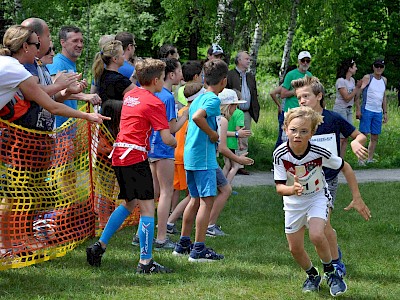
x,y
135,181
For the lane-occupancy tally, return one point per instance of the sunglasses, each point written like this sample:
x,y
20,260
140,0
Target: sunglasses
x,y
50,49
36,44
379,66
305,60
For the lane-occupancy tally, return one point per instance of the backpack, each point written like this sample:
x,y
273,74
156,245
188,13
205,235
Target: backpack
x,y
15,108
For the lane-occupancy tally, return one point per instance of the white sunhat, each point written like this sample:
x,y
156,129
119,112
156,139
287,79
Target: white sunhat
x,y
228,96
304,54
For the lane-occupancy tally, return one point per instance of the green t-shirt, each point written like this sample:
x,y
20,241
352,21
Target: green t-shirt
x,y
237,119
181,96
292,102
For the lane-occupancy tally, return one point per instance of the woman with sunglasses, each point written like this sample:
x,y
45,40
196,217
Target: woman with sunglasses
x,y
346,91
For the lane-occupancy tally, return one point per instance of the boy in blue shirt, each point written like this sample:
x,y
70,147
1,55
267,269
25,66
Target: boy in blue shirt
x,y
200,163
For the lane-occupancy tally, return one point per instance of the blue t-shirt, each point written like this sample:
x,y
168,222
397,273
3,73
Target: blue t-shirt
x,y
200,152
334,123
63,63
126,69
157,147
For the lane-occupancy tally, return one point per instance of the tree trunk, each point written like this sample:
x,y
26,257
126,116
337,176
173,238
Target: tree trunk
x,y
289,41
392,56
225,26
194,18
255,45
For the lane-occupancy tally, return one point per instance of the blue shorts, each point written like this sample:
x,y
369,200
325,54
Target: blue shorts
x,y
202,183
371,122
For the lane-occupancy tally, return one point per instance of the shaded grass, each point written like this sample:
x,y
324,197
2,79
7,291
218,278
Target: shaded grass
x,y
257,265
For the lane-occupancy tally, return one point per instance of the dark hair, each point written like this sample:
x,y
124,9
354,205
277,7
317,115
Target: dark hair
x,y
62,35
215,71
192,88
171,64
167,50
344,67
147,69
112,109
190,69
126,38
314,83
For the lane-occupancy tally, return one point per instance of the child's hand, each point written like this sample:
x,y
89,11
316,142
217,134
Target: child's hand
x,y
359,205
214,136
244,160
297,186
244,132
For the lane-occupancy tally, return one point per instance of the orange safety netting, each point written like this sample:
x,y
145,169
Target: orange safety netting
x,y
56,190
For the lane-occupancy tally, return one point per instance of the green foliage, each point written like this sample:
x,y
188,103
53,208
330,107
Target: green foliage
x,y
258,264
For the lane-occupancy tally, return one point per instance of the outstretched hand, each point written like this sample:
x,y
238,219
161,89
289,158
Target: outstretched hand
x,y
244,132
96,118
244,160
359,205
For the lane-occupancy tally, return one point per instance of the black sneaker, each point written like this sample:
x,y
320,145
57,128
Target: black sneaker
x,y
151,267
165,245
171,229
94,254
181,250
311,284
206,255
337,286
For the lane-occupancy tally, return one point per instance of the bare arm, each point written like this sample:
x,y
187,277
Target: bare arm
x,y
357,145
384,104
199,117
289,190
167,138
357,203
175,125
286,93
273,94
33,92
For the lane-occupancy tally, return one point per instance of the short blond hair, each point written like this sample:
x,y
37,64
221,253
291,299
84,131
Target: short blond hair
x,y
306,113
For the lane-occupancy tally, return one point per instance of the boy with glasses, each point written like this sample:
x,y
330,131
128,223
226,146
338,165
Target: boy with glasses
x,y
373,110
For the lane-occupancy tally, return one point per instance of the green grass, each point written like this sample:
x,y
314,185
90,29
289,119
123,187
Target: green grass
x,y
265,132
258,264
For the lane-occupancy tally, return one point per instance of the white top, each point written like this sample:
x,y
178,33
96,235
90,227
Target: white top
x,y
349,86
308,169
375,93
12,73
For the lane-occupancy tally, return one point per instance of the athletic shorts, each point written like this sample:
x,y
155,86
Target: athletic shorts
x,y
180,178
297,215
135,181
332,187
202,183
221,179
371,122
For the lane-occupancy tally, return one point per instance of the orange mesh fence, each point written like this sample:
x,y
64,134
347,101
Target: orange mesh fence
x,y
56,190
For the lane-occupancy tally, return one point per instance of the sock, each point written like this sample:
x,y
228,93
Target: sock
x,y
328,267
335,261
114,223
199,246
146,235
211,226
312,271
184,241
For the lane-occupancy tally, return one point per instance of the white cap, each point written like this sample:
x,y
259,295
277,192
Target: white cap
x,y
303,54
229,96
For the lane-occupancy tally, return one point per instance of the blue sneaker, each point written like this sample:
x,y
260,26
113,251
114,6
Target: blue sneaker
x,y
340,267
207,255
181,250
312,283
337,286
340,252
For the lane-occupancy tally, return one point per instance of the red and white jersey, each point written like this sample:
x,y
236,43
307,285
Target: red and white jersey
x,y
141,111
307,167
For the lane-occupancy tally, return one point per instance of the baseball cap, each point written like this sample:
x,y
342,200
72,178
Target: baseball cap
x,y
303,54
215,49
228,96
379,62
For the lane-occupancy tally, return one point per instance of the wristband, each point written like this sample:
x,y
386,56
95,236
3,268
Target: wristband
x,y
236,134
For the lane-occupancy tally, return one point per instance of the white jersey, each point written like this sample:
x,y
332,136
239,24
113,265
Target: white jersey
x,y
307,167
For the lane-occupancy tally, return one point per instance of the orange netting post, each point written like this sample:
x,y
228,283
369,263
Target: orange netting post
x,y
56,190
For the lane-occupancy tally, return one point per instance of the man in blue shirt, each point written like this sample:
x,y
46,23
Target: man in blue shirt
x,y
71,41
128,44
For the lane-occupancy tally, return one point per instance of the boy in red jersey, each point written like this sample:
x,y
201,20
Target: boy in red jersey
x,y
141,111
